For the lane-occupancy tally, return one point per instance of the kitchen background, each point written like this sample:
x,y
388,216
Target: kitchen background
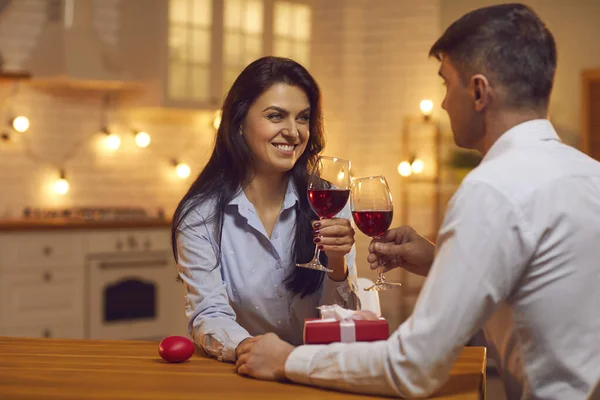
x,y
89,74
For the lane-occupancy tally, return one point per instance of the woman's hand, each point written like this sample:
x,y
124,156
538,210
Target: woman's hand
x,y
335,236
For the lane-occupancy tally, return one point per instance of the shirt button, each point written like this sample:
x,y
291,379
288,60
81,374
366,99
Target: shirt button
x,y
279,322
275,236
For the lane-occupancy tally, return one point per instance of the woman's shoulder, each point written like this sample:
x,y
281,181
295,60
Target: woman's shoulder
x,y
199,210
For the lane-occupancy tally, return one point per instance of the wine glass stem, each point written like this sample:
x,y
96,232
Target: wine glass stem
x,y
317,254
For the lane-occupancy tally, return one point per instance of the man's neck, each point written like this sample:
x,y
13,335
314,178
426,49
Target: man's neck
x,y
501,121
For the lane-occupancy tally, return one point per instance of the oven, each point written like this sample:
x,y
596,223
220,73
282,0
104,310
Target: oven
x,y
133,295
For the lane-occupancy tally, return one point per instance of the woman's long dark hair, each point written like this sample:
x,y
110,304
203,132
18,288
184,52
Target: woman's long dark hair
x,y
229,166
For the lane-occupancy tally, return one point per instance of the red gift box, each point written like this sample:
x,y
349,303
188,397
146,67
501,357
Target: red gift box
x,y
325,331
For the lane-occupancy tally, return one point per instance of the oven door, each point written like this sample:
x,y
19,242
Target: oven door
x,y
130,296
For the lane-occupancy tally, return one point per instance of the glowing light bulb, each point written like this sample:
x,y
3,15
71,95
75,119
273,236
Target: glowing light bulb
x,y
417,166
113,141
142,139
404,168
426,107
61,186
217,119
182,170
20,123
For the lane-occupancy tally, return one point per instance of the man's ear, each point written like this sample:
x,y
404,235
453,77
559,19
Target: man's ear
x,y
481,92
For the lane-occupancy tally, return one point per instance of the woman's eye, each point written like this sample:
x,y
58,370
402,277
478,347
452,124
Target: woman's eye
x,y
274,116
304,118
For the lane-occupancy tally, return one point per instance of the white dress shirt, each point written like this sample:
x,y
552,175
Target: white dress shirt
x,y
518,252
246,295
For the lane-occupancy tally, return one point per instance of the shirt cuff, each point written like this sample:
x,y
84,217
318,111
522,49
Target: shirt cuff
x,y
343,288
233,341
298,363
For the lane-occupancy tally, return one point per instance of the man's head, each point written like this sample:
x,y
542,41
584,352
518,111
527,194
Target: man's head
x,y
500,57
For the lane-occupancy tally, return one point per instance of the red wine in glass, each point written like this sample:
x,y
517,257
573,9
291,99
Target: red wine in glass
x,y
328,192
328,202
372,211
373,223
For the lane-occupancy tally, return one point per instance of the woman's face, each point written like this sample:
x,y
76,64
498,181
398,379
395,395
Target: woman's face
x,y
276,128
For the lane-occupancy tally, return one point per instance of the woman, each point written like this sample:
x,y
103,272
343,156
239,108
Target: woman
x,y
246,220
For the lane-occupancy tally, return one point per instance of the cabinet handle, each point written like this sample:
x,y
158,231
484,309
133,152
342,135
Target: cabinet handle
x,y
132,242
47,251
147,244
119,245
47,276
47,333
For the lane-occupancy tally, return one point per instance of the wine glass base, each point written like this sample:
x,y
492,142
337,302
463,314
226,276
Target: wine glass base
x,y
314,265
381,286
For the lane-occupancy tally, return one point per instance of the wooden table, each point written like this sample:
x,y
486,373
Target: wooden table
x,y
91,369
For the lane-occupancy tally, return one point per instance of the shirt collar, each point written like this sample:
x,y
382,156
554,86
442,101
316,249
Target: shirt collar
x,y
244,205
521,135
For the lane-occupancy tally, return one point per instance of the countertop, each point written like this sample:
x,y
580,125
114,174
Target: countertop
x,y
32,224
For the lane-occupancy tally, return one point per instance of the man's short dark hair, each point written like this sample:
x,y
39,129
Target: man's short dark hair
x,y
507,43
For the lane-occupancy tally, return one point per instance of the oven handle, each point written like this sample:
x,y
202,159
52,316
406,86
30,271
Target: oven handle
x,y
133,264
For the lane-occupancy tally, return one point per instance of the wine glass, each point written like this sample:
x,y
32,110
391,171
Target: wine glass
x,y
328,192
372,211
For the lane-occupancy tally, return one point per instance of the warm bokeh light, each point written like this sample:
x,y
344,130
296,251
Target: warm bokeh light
x,y
217,119
404,168
20,123
183,170
113,141
417,166
142,139
61,186
426,107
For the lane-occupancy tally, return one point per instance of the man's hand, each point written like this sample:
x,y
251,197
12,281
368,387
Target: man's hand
x,y
237,349
402,247
263,357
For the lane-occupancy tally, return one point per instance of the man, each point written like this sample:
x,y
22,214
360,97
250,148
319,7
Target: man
x,y
519,250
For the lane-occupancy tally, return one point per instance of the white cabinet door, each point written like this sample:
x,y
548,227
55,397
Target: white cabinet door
x,y
26,251
38,298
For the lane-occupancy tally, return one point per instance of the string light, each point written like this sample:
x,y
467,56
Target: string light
x,y
20,123
142,139
426,107
217,119
182,169
405,169
113,141
417,166
61,186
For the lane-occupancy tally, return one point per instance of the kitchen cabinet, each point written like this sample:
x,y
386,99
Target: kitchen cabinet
x,y
54,283
189,52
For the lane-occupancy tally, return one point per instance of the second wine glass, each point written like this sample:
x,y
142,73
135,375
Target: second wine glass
x,y
372,211
328,192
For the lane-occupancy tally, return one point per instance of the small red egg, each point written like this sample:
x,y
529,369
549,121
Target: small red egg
x,y
175,349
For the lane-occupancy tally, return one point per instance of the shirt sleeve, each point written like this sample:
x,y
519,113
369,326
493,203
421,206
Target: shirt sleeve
x,y
212,321
343,293
483,251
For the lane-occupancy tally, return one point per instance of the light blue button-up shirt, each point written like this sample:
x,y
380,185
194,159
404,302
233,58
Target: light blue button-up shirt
x,y
245,295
